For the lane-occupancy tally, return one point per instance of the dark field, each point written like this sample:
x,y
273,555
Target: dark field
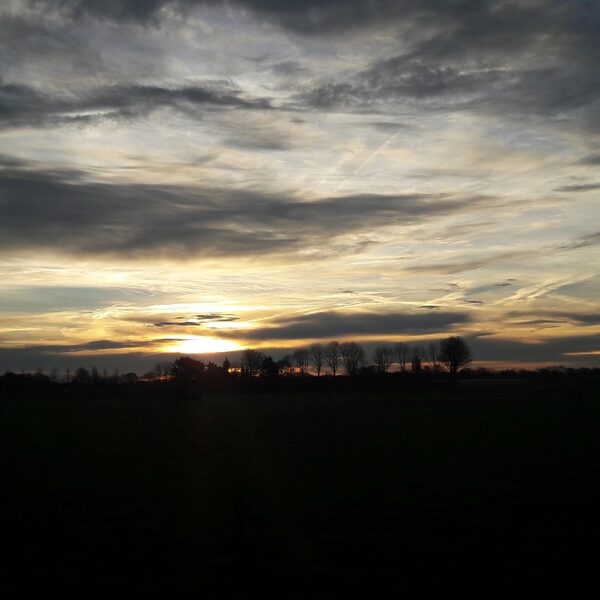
x,y
481,487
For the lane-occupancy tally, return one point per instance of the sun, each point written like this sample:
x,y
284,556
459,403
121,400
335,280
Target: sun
x,y
202,345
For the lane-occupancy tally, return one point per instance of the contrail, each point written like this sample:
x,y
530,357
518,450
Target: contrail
x,y
366,161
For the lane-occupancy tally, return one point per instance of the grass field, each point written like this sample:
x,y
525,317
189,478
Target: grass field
x,y
483,486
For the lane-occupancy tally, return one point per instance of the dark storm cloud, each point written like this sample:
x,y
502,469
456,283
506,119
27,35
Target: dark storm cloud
x,y
336,324
63,211
22,105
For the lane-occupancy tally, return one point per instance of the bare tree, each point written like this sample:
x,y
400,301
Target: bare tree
x,y
416,361
433,351
383,357
317,357
352,356
251,361
301,358
455,354
401,355
332,356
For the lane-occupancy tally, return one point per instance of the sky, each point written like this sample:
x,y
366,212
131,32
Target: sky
x,y
190,176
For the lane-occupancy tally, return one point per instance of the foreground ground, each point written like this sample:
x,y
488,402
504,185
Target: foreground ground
x,y
481,486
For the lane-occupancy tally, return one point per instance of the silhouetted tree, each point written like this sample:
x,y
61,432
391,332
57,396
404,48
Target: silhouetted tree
x,y
383,357
332,356
455,354
226,366
301,358
433,351
401,355
269,368
187,369
418,353
251,361
317,356
81,376
352,356
39,376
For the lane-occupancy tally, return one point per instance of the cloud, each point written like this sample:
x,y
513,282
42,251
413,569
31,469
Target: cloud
x,y
514,60
550,316
505,21
499,88
16,359
289,68
591,159
332,324
448,267
583,187
44,298
583,241
303,16
24,106
557,350
63,211
94,346
198,320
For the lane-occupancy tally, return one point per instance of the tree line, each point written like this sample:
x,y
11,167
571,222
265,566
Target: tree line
x,y
334,358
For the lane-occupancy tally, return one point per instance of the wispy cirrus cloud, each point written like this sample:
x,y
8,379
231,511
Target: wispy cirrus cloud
x,y
436,158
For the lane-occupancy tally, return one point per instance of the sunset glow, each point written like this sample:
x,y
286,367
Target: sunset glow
x,y
282,173
202,345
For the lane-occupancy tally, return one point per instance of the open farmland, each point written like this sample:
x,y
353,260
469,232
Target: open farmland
x,y
303,495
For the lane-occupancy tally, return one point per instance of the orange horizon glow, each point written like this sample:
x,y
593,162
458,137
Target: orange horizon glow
x,y
202,345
